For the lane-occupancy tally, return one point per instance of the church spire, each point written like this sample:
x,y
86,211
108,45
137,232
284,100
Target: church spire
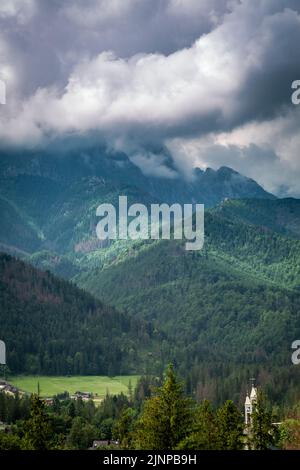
x,y
250,402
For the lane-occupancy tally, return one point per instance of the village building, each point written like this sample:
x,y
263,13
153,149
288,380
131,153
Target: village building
x,y
104,443
250,403
8,388
85,396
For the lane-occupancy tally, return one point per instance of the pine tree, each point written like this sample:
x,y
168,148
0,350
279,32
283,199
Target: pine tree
x,y
263,432
38,429
166,418
72,410
123,429
230,427
204,435
130,391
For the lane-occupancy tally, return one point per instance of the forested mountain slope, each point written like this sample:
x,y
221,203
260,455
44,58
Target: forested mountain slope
x,y
279,215
52,327
234,304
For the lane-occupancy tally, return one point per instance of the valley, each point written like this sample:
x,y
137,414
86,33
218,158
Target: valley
x,y
222,314
98,386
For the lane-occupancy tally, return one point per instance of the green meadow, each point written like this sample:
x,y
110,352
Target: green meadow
x,y
50,386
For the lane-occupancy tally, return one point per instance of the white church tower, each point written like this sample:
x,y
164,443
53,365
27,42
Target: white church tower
x,y
250,404
2,353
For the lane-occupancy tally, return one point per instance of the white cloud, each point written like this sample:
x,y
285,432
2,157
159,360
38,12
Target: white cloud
x,y
267,151
21,10
91,13
153,164
191,8
164,92
205,100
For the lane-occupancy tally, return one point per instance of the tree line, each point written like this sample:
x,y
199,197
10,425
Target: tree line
x,y
155,416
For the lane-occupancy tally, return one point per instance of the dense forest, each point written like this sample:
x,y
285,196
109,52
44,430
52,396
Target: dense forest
x,y
222,315
52,327
228,311
157,415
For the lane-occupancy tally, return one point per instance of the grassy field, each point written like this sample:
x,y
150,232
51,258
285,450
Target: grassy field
x,y
50,386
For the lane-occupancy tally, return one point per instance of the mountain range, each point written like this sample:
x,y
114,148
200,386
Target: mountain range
x,y
223,314
48,201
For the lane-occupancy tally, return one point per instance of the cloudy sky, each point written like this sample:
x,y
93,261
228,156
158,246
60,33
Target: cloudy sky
x,y
207,80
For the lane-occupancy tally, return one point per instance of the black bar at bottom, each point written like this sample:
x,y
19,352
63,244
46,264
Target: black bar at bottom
x,y
152,459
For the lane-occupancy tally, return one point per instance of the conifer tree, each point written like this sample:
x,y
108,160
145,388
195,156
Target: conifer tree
x,y
230,427
123,429
263,432
38,429
166,418
204,435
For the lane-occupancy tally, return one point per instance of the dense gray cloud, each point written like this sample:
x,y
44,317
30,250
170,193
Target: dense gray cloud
x,y
48,38
208,80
